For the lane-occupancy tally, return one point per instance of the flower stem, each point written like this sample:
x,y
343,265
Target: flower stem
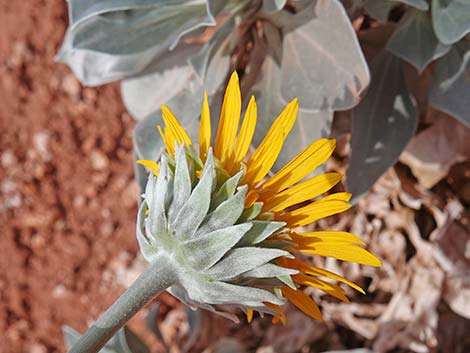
x,y
156,278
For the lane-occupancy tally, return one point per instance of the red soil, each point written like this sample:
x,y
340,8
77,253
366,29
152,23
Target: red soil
x,y
67,195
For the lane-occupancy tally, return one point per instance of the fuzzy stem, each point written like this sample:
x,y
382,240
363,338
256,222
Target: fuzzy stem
x,y
156,278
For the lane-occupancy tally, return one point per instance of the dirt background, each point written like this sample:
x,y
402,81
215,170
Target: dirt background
x,y
67,218
68,197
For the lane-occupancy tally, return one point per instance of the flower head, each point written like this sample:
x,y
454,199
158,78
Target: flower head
x,y
231,231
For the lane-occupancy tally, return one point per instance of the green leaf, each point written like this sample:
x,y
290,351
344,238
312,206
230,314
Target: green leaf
x,y
186,106
80,10
322,64
379,9
414,40
418,4
309,126
451,19
273,5
164,79
212,62
299,5
450,87
382,124
116,39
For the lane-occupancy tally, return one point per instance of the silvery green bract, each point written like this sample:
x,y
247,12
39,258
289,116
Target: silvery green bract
x,y
197,222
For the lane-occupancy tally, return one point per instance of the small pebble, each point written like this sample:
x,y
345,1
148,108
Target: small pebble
x,y
99,161
71,86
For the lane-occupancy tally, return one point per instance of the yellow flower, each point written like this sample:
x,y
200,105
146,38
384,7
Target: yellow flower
x,y
281,197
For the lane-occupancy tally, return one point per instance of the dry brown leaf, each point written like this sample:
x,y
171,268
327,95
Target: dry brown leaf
x,y
374,39
432,152
454,248
410,320
453,255
361,318
457,294
453,333
300,331
173,328
357,350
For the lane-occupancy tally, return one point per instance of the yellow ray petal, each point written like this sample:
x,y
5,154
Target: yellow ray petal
x,y
301,192
175,127
249,315
168,140
301,166
303,302
229,119
244,137
316,271
325,207
339,196
326,235
205,129
341,251
152,165
324,286
251,198
258,170
267,152
278,309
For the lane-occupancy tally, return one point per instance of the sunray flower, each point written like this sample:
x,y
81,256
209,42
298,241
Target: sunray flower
x,y
230,231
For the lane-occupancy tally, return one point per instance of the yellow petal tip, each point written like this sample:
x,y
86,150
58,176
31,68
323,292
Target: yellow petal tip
x,y
249,315
153,166
376,263
234,76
